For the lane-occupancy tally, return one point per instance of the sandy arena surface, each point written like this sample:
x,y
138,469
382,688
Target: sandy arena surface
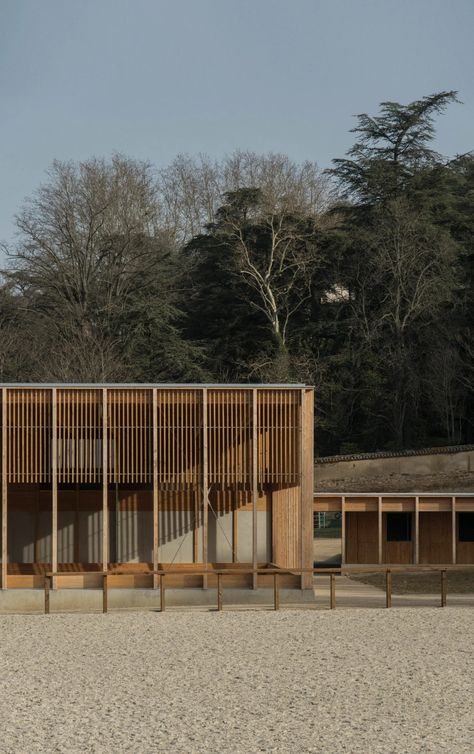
x,y
253,681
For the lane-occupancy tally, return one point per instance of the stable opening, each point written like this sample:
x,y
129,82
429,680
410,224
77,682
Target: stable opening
x,y
327,539
466,527
398,527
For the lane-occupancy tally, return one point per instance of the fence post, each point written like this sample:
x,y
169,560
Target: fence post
x,y
276,593
105,589
219,591
162,593
388,588
46,594
332,591
443,588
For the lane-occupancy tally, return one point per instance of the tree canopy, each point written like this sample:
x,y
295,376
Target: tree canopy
x,y
359,280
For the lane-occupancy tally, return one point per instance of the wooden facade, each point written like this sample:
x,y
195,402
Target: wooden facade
x,y
104,477
433,533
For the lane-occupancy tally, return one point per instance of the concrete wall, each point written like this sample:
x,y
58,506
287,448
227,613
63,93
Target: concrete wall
x,y
90,600
131,536
437,472
22,527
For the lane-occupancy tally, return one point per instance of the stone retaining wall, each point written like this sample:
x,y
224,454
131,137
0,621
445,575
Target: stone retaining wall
x,y
436,470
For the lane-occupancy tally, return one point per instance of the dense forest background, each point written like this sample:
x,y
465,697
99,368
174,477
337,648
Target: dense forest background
x,y
358,280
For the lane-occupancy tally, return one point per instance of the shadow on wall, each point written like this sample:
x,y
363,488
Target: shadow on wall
x,y
180,526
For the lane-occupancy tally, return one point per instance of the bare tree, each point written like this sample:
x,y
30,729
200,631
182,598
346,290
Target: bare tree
x,y
287,186
402,285
276,254
191,190
189,194
272,257
90,241
411,269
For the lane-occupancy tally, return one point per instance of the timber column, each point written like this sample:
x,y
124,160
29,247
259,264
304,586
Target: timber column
x,y
453,530
156,529
205,485
307,485
105,482
254,486
54,482
4,491
416,545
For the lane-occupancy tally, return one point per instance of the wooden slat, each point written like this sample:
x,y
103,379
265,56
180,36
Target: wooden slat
x,y
343,529
453,529
254,480
54,480
205,481
105,493
416,553
156,530
379,530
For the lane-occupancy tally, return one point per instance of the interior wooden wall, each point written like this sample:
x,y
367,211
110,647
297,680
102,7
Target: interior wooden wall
x,y
435,537
396,552
361,537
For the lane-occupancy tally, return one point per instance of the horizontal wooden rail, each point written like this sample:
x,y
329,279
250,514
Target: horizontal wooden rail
x,y
255,572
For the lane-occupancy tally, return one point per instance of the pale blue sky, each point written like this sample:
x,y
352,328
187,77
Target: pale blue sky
x,y
152,78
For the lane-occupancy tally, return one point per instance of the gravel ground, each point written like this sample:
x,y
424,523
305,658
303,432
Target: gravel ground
x,y
255,681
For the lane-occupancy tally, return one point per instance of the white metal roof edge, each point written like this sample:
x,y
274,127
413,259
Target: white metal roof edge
x,y
394,494
142,385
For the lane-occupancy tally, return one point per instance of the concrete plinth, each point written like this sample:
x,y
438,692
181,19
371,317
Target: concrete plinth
x,y
90,600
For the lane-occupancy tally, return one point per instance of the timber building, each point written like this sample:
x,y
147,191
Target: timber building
x,y
403,528
134,477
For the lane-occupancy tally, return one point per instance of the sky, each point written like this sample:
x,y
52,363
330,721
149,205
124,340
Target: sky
x,y
155,78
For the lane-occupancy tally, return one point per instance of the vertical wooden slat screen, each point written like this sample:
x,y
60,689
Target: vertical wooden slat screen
x,y
179,437
130,436
28,429
79,436
278,436
230,437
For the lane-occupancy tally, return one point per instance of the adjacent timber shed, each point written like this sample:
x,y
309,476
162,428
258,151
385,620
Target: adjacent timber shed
x,y
422,528
137,477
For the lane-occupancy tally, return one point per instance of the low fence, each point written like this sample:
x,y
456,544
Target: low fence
x,y
276,573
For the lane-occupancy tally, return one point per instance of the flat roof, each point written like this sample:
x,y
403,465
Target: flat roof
x,y
243,386
425,493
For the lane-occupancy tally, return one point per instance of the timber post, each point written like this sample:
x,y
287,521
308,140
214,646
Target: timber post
x,y
388,588
332,591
